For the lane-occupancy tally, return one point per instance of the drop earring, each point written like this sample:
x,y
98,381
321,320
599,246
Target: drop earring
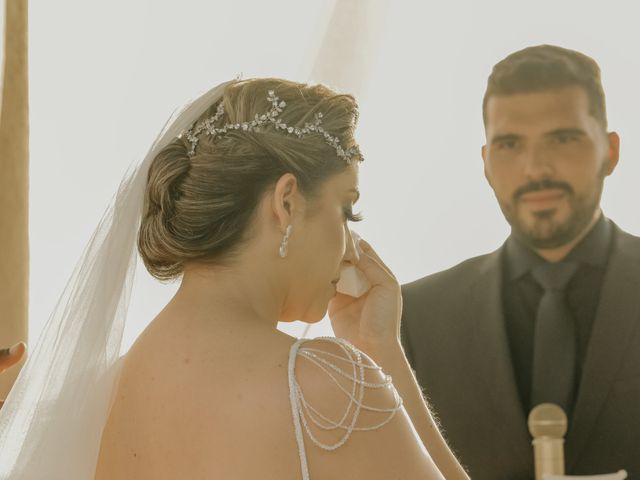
x,y
284,245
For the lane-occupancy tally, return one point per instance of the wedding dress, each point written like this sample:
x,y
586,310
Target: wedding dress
x,y
52,421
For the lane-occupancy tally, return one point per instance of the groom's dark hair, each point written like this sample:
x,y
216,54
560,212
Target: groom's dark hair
x,y
547,67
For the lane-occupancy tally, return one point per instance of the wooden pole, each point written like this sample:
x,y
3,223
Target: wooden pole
x,y
14,186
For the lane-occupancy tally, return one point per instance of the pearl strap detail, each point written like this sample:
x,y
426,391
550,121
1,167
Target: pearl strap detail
x,y
306,416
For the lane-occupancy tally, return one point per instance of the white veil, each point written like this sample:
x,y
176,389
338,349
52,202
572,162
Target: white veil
x,y
52,421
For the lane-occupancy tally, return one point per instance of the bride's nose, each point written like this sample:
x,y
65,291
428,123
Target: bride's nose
x,y
351,254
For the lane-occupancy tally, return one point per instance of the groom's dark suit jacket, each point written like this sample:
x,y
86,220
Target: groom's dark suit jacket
x,y
453,331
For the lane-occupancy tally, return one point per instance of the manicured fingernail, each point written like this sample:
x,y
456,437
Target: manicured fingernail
x,y
14,349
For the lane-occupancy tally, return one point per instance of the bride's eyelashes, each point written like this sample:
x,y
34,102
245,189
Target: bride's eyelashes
x,y
349,216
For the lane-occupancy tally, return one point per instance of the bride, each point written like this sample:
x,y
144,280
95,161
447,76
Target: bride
x,y
246,197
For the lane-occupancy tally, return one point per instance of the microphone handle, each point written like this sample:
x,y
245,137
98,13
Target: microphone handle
x,y
549,456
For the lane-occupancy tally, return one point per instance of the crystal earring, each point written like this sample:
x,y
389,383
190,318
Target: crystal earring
x,y
284,245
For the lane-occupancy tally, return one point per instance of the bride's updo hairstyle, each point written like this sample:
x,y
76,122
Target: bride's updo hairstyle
x,y
199,201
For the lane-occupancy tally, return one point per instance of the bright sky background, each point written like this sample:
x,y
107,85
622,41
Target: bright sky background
x,y
106,75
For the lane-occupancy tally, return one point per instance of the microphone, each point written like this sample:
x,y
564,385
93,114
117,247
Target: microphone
x,y
548,425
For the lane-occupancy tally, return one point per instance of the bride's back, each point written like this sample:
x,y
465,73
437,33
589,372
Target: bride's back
x,y
191,404
195,405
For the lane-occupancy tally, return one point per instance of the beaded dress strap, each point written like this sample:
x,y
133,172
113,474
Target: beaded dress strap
x,y
305,415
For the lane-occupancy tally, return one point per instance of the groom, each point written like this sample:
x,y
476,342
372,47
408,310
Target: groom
x,y
553,315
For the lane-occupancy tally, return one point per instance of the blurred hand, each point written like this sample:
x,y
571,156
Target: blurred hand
x,y
11,356
371,322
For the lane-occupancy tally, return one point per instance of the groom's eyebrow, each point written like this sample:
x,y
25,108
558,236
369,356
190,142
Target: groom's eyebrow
x,y
578,132
503,137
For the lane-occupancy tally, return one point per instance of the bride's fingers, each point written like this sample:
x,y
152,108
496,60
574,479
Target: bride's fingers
x,y
375,272
367,249
11,356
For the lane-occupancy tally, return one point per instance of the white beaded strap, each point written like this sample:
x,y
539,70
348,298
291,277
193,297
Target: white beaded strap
x,y
331,425
351,394
293,396
304,414
314,358
355,403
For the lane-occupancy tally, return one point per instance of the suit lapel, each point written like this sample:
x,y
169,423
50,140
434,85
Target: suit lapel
x,y
492,353
618,312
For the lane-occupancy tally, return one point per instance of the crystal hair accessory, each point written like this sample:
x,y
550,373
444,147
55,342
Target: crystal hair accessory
x,y
208,127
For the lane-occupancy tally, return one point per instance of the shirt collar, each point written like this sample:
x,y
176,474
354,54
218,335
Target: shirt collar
x,y
593,250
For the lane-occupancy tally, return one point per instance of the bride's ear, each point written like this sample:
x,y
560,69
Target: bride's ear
x,y
286,200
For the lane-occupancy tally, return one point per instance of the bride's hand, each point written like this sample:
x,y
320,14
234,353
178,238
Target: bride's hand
x,y
9,357
371,322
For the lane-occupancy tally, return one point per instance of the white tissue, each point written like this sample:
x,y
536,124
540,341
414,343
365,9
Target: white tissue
x,y
352,282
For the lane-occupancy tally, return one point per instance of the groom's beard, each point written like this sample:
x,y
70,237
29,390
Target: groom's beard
x,y
545,231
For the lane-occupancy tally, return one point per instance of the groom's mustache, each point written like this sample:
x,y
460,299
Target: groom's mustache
x,y
542,185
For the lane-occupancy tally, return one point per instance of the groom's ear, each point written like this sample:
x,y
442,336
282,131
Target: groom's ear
x,y
286,199
483,154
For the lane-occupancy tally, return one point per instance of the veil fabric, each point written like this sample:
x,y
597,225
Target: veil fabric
x,y
52,421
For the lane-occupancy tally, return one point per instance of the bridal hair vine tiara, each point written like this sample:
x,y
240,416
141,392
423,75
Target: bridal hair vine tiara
x,y
208,127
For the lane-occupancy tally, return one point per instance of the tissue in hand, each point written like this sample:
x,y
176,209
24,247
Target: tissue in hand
x,y
352,282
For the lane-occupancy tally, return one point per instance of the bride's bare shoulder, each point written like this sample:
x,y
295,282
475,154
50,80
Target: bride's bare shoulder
x,y
186,402
351,416
195,407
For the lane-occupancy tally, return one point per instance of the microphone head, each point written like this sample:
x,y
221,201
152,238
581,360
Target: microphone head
x,y
547,420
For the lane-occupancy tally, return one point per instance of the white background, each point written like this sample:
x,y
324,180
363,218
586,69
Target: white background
x,y
106,75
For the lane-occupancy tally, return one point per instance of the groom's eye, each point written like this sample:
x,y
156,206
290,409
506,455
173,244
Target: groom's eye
x,y
508,144
350,216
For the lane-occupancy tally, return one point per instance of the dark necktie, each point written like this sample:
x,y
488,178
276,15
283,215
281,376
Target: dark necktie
x,y
554,347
